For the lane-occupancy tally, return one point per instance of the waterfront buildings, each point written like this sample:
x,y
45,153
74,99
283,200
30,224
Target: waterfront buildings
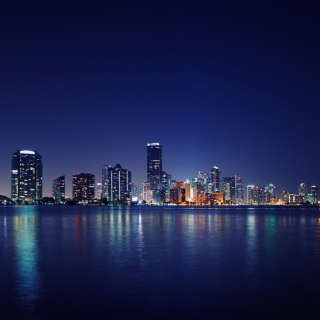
x,y
99,190
104,193
225,188
238,190
231,181
154,170
314,194
303,191
58,189
119,184
146,192
83,187
249,194
216,179
26,175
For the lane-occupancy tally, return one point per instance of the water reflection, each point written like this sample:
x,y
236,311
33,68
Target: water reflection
x,y
25,233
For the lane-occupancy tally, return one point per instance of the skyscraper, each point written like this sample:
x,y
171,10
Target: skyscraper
x,y
154,170
216,179
303,190
249,194
231,180
83,187
238,189
104,193
119,184
225,188
314,194
271,189
58,189
99,190
26,175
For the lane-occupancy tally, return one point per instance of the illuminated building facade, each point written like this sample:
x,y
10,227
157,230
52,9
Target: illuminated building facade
x,y
177,195
249,194
154,170
104,193
272,190
303,192
285,196
58,189
165,183
225,188
314,194
231,181
238,190
119,184
216,179
99,190
26,175
83,187
146,192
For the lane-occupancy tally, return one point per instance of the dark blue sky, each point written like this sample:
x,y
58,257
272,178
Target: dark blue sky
x,y
221,83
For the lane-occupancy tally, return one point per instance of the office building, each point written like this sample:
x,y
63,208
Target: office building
x,y
272,189
165,183
231,181
58,189
314,194
238,190
216,179
83,187
177,195
154,170
99,190
285,196
26,175
303,190
119,184
249,194
146,192
104,194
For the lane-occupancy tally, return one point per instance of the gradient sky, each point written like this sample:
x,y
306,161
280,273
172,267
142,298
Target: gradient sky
x,y
217,83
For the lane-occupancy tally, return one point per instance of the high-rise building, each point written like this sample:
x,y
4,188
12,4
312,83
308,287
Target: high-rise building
x,y
216,179
285,196
165,183
303,190
314,194
187,191
104,193
249,194
272,189
135,192
58,189
83,187
154,170
119,184
26,175
238,189
231,180
99,190
146,194
225,188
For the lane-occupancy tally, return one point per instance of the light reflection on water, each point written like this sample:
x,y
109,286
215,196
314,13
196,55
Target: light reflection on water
x,y
27,258
153,260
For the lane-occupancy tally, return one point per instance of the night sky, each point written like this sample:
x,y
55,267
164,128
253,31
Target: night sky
x,y
231,84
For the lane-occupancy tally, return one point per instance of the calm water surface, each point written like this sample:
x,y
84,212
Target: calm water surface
x,y
73,262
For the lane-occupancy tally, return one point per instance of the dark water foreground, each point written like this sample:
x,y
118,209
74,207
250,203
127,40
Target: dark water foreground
x,y
65,262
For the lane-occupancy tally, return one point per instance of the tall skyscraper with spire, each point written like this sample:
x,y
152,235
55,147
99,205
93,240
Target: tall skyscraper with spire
x,y
216,179
154,170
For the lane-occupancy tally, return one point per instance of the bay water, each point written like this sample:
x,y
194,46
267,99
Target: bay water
x,y
99,262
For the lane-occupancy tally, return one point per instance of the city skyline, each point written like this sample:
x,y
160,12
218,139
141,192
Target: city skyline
x,y
232,85
27,164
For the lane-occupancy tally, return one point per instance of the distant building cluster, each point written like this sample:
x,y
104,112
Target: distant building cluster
x,y
116,186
